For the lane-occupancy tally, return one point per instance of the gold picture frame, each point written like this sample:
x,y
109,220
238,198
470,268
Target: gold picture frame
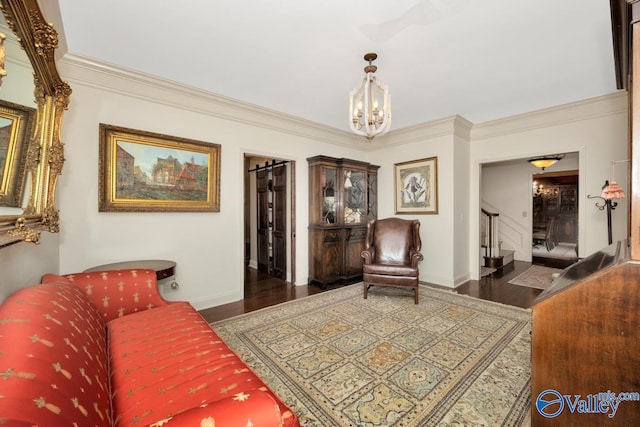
x,y
416,186
142,171
16,132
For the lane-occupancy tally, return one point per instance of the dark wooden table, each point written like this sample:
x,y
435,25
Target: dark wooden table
x,y
163,268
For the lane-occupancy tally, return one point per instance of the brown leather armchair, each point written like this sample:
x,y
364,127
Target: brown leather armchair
x,y
392,254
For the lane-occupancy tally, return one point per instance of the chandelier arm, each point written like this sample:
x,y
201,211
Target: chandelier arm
x,y
386,122
367,104
355,97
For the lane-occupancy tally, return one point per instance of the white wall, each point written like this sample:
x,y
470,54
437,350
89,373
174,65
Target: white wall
x,y
445,251
208,247
23,264
462,149
596,129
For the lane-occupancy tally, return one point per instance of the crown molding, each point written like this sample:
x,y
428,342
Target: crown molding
x,y
600,106
81,70
85,71
449,126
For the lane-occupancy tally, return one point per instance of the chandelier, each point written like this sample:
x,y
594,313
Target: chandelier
x,y
370,104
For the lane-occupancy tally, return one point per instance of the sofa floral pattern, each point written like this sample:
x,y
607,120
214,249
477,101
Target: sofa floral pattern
x,y
105,349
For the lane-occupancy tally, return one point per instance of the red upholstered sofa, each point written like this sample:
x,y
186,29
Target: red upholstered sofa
x,y
105,349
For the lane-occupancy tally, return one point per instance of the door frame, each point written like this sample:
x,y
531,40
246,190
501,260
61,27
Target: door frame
x,y
249,163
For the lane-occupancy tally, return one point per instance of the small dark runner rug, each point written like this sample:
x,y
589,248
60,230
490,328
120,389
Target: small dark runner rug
x,y
536,276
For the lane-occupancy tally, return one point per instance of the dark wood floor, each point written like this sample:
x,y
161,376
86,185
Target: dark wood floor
x,y
262,291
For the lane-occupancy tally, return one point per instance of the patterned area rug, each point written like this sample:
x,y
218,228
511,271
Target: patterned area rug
x,y
339,360
536,276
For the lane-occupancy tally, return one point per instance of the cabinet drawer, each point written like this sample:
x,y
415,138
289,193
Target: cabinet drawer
x,y
358,234
332,235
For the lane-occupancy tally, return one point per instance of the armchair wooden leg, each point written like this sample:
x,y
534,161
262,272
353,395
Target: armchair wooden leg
x,y
366,288
416,290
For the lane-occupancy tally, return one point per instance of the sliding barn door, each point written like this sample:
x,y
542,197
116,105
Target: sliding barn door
x,y
271,188
262,188
279,230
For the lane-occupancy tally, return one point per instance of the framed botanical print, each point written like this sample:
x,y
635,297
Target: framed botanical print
x,y
416,186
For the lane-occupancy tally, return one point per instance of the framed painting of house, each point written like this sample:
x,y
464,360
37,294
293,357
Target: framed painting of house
x,y
416,186
148,172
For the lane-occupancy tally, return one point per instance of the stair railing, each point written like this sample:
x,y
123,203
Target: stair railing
x,y
491,243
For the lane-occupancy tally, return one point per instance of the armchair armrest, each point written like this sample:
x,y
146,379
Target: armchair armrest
x,y
415,257
116,293
257,408
368,255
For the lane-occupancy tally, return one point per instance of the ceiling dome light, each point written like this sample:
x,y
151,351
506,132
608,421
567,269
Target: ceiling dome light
x,y
545,161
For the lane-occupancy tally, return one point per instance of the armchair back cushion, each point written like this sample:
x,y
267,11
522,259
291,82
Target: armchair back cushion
x,y
393,240
392,254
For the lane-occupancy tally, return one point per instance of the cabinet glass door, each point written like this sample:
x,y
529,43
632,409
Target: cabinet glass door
x,y
355,196
372,197
329,194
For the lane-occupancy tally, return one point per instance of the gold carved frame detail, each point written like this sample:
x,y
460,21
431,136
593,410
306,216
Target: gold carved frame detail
x,y
45,158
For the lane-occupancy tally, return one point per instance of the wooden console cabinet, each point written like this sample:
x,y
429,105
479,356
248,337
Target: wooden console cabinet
x,y
586,341
342,198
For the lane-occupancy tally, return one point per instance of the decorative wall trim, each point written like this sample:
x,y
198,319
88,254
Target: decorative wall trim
x,y
208,302
448,126
80,70
605,105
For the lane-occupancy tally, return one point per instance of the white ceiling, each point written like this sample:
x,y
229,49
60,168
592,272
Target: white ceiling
x,y
481,59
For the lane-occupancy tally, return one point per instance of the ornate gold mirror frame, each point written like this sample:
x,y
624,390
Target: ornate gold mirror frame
x,y
45,157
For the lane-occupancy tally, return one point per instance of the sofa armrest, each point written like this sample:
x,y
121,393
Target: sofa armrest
x,y
116,293
257,408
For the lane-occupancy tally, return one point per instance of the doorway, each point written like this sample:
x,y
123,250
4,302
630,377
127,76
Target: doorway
x,y
269,218
555,218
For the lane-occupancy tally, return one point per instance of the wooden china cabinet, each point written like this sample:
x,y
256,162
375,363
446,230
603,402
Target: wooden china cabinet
x,y
342,198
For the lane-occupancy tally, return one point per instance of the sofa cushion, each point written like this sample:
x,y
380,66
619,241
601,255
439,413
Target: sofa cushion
x,y
53,359
116,293
256,409
168,360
